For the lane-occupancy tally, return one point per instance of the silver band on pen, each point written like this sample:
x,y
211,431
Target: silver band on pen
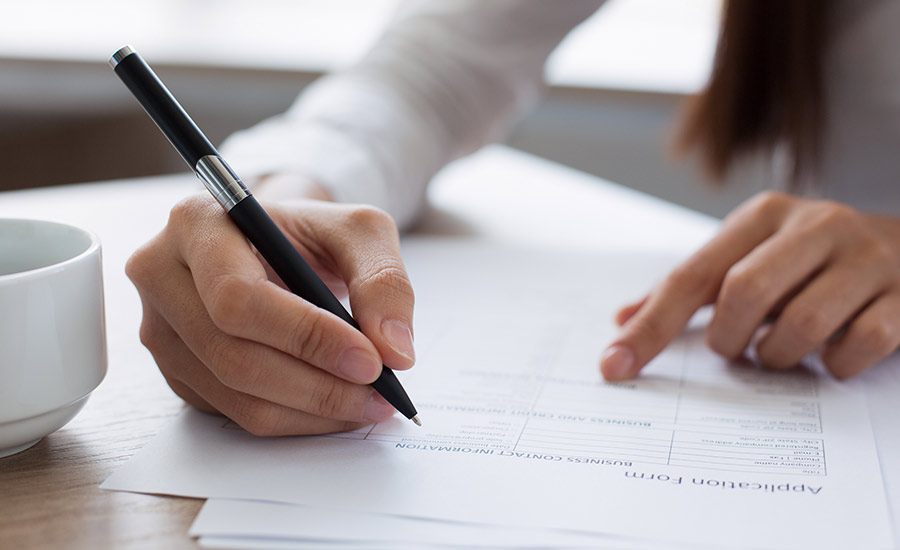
x,y
221,181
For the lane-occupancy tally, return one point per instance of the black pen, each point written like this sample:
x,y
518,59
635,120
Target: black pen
x,y
239,203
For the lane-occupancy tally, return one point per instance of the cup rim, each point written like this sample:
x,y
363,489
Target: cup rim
x,y
92,248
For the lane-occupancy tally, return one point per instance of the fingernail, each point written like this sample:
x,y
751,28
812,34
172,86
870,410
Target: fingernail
x,y
358,366
378,409
617,362
399,337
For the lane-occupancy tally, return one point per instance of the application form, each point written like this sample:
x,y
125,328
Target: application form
x,y
519,429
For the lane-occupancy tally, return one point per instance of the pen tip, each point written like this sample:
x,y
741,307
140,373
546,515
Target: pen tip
x,y
416,420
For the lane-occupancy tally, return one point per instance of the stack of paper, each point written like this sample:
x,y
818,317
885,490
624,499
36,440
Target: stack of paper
x,y
524,446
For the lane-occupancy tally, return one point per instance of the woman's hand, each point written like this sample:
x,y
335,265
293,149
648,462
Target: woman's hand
x,y
229,338
824,275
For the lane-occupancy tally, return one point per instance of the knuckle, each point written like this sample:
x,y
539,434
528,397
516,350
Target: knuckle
x,y
831,215
769,201
370,217
146,267
743,286
150,335
331,399
186,210
886,254
309,336
231,302
234,366
390,278
878,253
692,278
137,266
255,415
765,207
808,323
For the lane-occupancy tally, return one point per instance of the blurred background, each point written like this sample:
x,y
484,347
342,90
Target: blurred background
x,y
616,84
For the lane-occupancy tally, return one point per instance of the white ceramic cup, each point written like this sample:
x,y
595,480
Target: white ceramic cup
x,y
52,328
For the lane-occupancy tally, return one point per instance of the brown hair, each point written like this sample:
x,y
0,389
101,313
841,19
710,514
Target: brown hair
x,y
765,88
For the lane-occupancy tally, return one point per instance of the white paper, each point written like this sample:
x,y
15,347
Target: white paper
x,y
882,387
270,543
257,543
266,525
519,429
265,522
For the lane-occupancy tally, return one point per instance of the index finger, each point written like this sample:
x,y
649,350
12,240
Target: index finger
x,y
688,287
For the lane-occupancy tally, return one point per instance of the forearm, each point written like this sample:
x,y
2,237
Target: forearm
x,y
282,186
446,78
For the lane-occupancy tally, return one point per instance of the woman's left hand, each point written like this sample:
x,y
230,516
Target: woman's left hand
x,y
824,275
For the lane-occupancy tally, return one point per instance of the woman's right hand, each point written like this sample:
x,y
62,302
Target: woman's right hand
x,y
229,338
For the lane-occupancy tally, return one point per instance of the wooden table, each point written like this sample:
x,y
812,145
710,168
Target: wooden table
x,y
49,495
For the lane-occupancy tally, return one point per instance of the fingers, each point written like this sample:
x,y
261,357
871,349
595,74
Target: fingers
x,y
243,303
367,253
298,398
257,416
227,338
754,286
818,312
662,316
871,337
693,284
862,265
827,274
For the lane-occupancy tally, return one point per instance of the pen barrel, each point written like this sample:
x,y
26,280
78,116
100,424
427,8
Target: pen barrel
x,y
164,109
295,272
299,277
389,387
